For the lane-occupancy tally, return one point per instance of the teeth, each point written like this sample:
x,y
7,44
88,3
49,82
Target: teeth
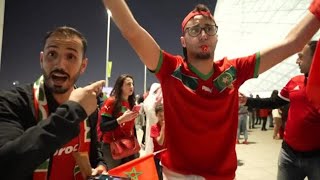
x,y
59,75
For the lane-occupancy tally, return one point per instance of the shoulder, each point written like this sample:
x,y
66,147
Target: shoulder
x,y
166,55
109,101
17,95
234,61
295,81
17,104
225,62
298,78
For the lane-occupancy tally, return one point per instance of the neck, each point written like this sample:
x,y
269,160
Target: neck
x,y
61,98
125,98
203,66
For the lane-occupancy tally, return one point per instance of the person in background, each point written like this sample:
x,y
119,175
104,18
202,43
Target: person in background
x,y
154,96
300,151
276,117
116,119
252,116
141,121
157,135
258,118
264,113
200,93
46,124
242,127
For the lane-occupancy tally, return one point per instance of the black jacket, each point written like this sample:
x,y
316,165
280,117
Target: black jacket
x,y
26,143
270,103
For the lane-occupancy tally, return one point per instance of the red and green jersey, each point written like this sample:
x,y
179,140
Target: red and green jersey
x,y
154,133
201,113
63,158
124,129
303,123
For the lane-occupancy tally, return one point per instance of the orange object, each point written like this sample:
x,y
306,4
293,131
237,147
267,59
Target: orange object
x,y
313,83
142,168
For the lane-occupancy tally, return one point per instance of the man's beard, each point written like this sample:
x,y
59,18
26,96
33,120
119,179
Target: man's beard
x,y
58,89
203,56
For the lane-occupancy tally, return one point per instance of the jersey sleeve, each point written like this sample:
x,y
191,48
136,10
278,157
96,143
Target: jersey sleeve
x,y
167,64
284,93
247,67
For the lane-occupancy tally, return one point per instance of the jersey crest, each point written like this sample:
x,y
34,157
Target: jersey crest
x,y
225,79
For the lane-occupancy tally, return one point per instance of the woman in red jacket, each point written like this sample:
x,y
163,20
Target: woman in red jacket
x,y
117,119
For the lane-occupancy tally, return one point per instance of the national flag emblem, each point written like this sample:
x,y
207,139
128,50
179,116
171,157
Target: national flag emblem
x,y
142,168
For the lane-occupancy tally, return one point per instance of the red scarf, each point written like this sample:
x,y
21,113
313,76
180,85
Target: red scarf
x,y
41,113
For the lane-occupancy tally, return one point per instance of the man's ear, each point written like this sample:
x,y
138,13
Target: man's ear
x,y
183,42
41,59
84,65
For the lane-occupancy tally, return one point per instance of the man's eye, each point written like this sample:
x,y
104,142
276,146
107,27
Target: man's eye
x,y
195,29
70,56
52,54
209,28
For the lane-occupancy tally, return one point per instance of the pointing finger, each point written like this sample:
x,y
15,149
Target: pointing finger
x,y
96,86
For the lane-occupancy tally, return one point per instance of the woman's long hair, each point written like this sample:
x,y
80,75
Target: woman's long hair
x,y
117,94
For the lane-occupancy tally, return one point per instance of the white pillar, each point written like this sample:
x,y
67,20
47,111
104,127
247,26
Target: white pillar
x,y
107,52
2,5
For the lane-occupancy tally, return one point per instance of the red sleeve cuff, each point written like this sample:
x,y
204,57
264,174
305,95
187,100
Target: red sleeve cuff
x,y
315,8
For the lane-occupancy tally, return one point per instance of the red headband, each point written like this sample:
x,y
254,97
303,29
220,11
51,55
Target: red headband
x,y
192,14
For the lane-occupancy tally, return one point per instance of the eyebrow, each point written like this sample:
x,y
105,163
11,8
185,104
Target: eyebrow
x,y
55,46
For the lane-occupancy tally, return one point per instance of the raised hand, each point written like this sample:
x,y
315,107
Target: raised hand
x,y
127,116
87,96
242,99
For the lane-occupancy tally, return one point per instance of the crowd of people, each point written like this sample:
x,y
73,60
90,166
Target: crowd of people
x,y
52,129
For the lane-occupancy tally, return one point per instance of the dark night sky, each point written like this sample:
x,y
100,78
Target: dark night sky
x,y
26,22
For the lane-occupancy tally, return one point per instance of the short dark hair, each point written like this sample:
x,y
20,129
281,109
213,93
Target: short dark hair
x,y
158,108
312,45
67,32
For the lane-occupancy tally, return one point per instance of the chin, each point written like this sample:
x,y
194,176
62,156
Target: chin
x,y
58,89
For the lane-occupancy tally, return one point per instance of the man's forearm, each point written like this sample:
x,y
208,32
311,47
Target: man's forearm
x,y
269,103
25,150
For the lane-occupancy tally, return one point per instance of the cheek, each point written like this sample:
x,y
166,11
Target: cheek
x,y
215,40
45,66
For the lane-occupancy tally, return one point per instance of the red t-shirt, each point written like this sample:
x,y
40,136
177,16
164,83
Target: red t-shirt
x,y
63,162
264,112
124,129
303,123
202,114
154,133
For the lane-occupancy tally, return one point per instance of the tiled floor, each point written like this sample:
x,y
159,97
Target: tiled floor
x,y
258,159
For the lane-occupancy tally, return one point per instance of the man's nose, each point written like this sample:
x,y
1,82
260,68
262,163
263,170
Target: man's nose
x,y
60,60
203,34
